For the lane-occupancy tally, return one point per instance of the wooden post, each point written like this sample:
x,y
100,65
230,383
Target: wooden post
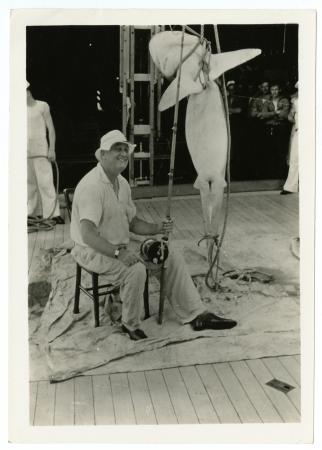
x,y
132,48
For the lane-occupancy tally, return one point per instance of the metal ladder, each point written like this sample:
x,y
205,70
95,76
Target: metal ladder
x,y
148,84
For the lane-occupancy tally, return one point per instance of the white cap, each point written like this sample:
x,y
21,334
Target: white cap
x,y
111,138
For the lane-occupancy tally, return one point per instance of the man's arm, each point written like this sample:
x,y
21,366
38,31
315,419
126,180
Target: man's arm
x,y
283,108
92,238
51,133
253,108
267,114
291,114
141,227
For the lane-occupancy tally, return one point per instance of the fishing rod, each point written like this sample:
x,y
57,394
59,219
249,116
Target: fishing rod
x,y
165,238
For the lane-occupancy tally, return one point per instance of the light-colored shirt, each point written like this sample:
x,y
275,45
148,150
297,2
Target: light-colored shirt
x,y
275,103
96,200
37,142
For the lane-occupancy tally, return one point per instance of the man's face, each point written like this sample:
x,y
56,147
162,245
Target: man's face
x,y
275,91
116,159
231,88
264,88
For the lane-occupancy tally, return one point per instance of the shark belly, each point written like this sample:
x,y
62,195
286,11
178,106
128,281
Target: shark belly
x,y
207,140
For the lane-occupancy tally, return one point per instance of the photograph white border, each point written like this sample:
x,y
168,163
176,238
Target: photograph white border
x,y
20,431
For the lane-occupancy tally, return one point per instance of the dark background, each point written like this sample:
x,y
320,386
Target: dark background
x,y
66,65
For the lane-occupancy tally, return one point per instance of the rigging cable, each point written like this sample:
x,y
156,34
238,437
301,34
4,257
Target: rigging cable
x,y
215,259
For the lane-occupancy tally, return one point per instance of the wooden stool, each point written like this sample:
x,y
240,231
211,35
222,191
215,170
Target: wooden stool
x,y
94,292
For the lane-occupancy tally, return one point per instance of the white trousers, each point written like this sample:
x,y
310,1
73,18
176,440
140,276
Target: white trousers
x,y
41,190
179,287
292,182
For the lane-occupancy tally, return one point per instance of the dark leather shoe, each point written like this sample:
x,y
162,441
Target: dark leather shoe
x,y
135,335
209,321
285,192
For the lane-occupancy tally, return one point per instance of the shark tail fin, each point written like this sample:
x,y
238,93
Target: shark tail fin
x,y
187,87
221,62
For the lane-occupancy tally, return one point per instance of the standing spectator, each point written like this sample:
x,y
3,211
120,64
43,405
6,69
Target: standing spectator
x,y
258,152
42,200
277,129
234,102
292,182
237,128
256,104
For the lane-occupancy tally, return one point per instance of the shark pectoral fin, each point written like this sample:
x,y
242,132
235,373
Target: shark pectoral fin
x,y
221,62
187,87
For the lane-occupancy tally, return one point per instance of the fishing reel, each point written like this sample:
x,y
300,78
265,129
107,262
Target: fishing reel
x,y
154,251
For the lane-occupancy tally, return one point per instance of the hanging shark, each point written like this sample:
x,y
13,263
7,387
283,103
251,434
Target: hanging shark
x,y
206,124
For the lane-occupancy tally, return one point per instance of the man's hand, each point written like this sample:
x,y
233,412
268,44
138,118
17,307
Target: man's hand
x,y
166,226
128,258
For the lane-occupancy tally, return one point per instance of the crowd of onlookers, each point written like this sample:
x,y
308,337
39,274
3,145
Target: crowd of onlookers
x,y
260,129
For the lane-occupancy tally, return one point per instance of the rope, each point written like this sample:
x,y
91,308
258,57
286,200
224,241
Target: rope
x,y
175,126
44,224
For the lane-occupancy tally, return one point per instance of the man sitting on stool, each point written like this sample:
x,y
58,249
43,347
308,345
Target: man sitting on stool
x,y
103,215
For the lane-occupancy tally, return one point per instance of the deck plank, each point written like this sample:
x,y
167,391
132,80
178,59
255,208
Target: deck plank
x,y
33,386
143,407
45,406
65,403
282,403
103,401
160,397
180,399
293,366
32,238
255,392
218,396
144,397
279,372
198,395
236,393
123,406
84,404
40,244
59,234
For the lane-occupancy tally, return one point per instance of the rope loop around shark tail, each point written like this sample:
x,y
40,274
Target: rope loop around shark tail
x,y
209,237
214,241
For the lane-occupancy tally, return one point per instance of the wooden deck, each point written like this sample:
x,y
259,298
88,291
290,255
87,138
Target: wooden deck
x,y
232,392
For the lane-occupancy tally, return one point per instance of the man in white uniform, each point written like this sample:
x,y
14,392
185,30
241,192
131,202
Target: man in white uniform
x,y
103,215
41,191
292,183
